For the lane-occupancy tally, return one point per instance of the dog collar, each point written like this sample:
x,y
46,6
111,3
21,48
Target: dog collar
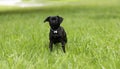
x,y
54,31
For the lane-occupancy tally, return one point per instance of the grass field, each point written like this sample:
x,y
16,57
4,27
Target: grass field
x,y
93,38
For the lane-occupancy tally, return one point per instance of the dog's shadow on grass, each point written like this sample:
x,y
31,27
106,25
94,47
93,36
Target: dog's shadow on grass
x,y
57,48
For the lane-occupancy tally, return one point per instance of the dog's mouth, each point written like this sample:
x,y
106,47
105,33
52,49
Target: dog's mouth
x,y
54,27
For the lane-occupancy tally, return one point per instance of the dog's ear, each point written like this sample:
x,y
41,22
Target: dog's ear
x,y
60,19
47,19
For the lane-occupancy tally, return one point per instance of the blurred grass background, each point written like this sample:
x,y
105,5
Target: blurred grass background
x,y
92,26
54,3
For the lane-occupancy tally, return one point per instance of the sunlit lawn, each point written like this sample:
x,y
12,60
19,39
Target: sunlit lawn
x,y
93,38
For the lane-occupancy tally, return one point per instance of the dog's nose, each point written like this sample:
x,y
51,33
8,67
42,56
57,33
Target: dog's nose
x,y
54,21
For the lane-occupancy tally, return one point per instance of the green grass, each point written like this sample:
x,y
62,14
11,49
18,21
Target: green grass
x,y
93,38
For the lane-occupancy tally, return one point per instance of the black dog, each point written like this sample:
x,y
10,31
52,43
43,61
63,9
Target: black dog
x,y
57,33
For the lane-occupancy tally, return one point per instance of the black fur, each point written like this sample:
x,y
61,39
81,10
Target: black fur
x,y
57,33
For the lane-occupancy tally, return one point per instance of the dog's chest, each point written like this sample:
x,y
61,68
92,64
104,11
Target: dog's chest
x,y
56,34
56,37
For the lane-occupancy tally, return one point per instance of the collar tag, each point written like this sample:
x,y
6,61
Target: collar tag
x,y
55,31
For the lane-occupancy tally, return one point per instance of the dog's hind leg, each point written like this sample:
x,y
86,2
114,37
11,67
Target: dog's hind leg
x,y
51,45
65,37
63,46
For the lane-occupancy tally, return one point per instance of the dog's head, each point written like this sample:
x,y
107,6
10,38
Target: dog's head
x,y
54,21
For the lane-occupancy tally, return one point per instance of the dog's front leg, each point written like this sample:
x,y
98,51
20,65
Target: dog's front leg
x,y
63,46
51,45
